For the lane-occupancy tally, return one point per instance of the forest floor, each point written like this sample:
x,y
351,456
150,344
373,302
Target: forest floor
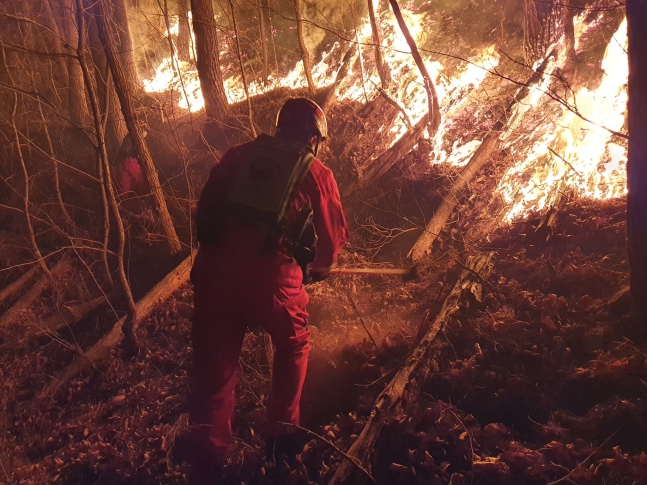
x,y
536,384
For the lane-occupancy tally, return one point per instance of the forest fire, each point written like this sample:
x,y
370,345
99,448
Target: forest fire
x,y
572,150
453,290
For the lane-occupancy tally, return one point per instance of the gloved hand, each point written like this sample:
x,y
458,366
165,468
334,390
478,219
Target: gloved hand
x,y
315,274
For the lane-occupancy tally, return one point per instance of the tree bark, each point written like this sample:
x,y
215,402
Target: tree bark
x,y
305,55
250,111
12,315
331,96
122,87
116,129
77,103
208,61
382,69
637,159
569,31
183,31
432,97
26,203
52,157
66,317
543,26
53,43
263,28
123,40
387,405
390,157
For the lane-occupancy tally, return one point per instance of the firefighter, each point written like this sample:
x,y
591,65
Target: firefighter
x,y
256,222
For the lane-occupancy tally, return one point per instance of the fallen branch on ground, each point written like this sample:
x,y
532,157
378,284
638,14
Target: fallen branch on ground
x,y
67,317
334,447
390,157
13,288
480,158
101,349
12,315
387,403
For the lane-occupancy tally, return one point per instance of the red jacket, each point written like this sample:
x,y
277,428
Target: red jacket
x,y
318,189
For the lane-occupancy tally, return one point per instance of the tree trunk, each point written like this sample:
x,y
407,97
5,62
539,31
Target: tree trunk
x,y
305,55
13,315
388,403
122,87
569,31
77,103
26,202
208,61
263,28
123,40
53,43
432,97
183,31
331,96
103,156
66,317
637,160
543,26
116,129
250,111
382,69
390,157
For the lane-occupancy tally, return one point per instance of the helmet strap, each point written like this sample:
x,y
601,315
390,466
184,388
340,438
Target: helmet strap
x,y
316,147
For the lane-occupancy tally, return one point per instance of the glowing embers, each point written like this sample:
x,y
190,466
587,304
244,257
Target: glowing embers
x,y
572,150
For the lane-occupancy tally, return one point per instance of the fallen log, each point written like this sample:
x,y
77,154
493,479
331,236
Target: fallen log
x,y
386,408
479,159
390,157
67,317
331,96
7,292
100,350
12,315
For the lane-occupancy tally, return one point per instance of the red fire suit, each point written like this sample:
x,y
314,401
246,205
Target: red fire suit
x,y
131,178
238,280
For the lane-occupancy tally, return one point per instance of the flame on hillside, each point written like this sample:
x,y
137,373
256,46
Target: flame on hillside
x,y
563,152
573,150
182,77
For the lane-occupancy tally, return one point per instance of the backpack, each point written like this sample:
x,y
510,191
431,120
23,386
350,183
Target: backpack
x,y
261,189
266,178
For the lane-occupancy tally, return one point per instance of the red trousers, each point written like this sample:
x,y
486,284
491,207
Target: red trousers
x,y
236,283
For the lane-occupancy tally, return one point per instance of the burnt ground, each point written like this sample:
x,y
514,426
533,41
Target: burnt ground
x,y
535,384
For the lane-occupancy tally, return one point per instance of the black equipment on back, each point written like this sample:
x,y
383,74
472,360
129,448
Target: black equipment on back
x,y
266,178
